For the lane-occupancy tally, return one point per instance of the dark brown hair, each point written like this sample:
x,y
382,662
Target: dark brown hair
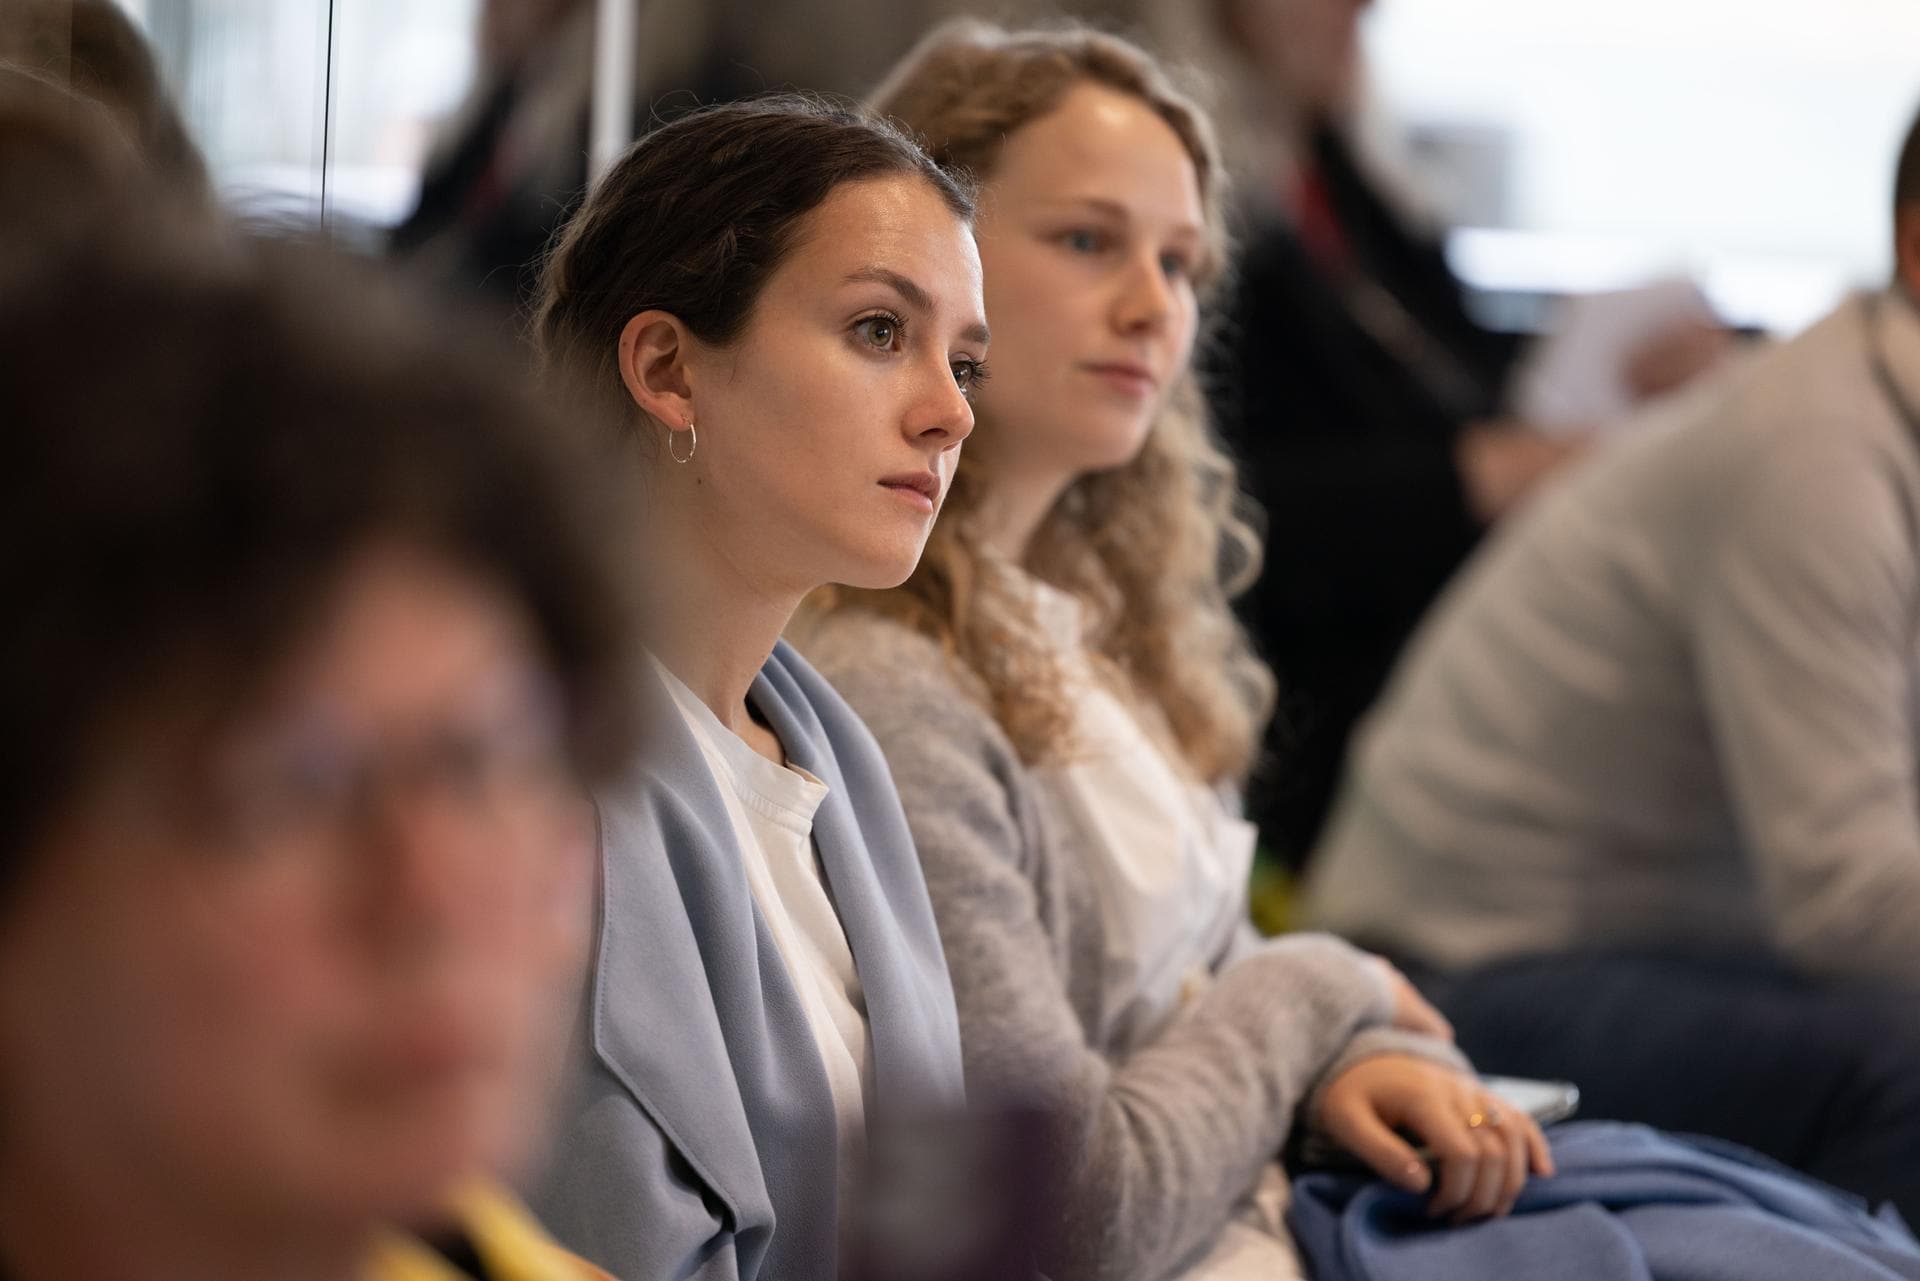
x,y
94,49
177,508
696,217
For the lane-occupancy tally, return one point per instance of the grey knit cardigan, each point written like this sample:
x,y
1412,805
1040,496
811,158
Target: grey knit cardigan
x,y
1163,1144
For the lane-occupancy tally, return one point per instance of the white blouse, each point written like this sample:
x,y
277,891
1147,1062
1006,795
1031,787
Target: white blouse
x,y
771,808
1170,855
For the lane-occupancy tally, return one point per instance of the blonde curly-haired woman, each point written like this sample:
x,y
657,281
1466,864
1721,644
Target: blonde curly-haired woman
x,y
1067,706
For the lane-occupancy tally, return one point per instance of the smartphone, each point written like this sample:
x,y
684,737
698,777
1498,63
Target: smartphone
x,y
1545,1101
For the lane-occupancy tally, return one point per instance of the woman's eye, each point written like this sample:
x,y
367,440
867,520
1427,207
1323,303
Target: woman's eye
x,y
1175,266
968,375
881,332
1083,241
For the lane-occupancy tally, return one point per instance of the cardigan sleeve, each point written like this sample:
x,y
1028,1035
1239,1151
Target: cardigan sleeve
x,y
1160,1147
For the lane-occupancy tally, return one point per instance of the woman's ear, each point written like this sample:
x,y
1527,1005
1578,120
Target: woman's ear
x,y
654,352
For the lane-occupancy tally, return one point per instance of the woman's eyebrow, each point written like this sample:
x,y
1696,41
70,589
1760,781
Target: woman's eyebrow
x,y
1088,204
1115,211
915,296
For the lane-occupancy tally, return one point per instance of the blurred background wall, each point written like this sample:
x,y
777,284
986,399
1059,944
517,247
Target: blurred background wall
x,y
1758,131
1761,133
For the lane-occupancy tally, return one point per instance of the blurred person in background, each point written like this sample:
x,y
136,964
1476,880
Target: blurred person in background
x,y
779,304
1369,408
93,49
303,613
1068,704
511,162
1643,799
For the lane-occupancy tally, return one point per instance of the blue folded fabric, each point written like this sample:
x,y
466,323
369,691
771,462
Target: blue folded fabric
x,y
1628,1204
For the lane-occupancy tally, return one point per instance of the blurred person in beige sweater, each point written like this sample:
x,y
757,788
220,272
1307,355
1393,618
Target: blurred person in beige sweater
x,y
1643,798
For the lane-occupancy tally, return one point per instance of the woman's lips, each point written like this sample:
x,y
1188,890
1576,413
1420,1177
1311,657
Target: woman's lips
x,y
1129,380
920,490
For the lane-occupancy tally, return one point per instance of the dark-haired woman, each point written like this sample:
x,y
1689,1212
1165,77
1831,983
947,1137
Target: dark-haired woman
x,y
782,303
293,865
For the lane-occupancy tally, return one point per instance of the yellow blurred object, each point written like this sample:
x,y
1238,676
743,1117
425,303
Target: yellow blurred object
x,y
1272,900
510,1245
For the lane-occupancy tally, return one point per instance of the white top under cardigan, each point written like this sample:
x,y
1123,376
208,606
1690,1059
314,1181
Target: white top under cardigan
x,y
771,808
1171,856
1170,861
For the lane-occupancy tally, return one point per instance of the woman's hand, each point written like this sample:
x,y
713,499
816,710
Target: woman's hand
x,y
1411,1011
1484,1150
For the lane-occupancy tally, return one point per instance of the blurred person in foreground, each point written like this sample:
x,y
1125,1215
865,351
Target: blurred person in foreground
x,y
1644,796
294,874
1369,407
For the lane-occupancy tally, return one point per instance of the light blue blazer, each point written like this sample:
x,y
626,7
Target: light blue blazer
x,y
699,1139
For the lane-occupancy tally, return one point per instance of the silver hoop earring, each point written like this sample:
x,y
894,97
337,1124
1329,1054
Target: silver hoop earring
x,y
693,443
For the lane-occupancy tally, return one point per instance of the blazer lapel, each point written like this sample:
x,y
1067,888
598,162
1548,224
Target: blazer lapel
x,y
695,1012
656,1025
873,874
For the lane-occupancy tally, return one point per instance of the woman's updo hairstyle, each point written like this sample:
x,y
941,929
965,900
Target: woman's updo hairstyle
x,y
694,220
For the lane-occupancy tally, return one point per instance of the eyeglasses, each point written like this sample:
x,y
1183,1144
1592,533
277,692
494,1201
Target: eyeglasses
x,y
309,785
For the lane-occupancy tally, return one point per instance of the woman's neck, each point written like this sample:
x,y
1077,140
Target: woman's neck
x,y
721,620
73,1225
1013,509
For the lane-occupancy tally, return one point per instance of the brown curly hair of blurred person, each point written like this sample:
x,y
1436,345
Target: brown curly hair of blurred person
x,y
1154,549
202,431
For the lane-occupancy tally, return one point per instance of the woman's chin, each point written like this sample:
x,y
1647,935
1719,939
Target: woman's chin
x,y
883,569
410,1167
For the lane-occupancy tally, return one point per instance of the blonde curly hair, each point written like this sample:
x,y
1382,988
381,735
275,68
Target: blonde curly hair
x,y
1154,549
